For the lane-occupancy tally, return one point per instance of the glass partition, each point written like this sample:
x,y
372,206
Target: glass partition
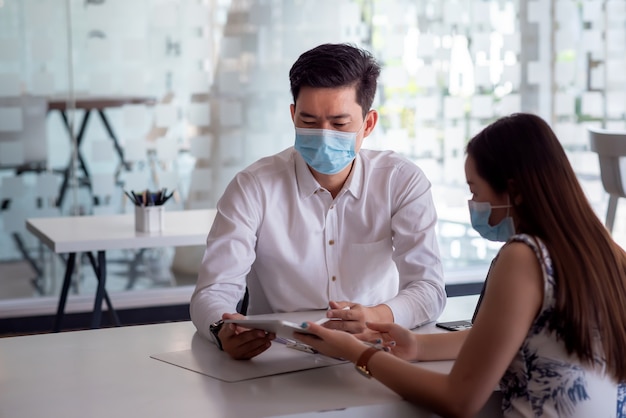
x,y
102,96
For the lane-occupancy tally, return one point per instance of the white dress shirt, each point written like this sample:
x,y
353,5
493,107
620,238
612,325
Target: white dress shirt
x,y
296,248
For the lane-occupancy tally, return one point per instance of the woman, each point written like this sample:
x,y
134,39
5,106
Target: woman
x,y
551,328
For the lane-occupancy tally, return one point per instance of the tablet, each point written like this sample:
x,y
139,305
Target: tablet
x,y
281,328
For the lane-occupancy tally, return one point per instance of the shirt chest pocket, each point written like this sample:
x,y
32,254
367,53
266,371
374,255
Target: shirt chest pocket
x,y
368,266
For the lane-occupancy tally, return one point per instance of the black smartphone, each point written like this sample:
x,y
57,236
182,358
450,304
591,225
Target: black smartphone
x,y
454,325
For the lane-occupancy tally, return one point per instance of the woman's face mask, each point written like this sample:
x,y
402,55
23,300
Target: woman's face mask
x,y
479,215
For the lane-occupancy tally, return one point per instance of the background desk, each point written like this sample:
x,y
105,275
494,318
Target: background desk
x,y
89,104
108,373
84,234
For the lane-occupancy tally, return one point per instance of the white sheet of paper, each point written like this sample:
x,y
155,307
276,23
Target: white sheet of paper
x,y
205,358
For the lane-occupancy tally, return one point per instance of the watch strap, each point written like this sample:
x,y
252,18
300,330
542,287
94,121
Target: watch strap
x,y
364,358
215,328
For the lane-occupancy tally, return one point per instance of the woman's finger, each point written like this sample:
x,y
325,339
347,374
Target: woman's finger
x,y
381,327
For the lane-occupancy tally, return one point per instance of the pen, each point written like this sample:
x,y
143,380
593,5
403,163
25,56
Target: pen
x,y
166,198
132,199
136,198
301,347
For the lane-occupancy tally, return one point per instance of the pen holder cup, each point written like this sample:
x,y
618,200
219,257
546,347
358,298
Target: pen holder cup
x,y
149,218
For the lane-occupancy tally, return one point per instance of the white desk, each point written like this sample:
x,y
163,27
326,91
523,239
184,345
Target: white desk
x,y
108,373
84,234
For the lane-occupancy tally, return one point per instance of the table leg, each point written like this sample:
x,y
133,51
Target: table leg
x,y
69,269
24,251
81,161
116,144
99,268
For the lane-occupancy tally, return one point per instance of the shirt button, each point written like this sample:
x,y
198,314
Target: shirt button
x,y
331,242
333,278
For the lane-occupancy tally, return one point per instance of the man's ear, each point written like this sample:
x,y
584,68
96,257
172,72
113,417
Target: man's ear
x,y
292,109
371,119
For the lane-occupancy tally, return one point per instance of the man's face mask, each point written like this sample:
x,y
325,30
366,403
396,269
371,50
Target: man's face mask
x,y
479,215
326,151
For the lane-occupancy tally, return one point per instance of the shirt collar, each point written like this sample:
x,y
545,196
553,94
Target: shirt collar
x,y
307,185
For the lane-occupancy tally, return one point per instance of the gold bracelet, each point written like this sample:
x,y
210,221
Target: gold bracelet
x,y
361,364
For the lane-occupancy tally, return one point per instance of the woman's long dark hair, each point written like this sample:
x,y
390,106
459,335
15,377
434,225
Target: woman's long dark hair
x,y
521,155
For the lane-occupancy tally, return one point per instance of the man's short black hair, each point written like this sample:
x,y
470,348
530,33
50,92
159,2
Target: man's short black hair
x,y
337,65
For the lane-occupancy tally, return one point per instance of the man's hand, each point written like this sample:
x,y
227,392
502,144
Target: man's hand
x,y
241,343
351,317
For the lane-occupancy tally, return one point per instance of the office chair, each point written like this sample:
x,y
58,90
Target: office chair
x,y
611,148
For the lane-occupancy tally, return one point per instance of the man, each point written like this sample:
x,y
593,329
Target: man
x,y
323,224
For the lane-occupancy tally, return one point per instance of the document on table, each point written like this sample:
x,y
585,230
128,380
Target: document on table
x,y
205,358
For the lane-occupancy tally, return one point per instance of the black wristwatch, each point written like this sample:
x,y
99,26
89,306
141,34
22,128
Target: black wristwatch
x,y
215,328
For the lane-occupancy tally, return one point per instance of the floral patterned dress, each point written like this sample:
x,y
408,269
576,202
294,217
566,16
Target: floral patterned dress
x,y
543,380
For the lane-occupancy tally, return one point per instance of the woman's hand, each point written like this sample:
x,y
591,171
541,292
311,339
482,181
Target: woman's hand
x,y
333,343
398,340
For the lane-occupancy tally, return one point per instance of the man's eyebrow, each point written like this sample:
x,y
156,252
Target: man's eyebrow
x,y
306,115
340,116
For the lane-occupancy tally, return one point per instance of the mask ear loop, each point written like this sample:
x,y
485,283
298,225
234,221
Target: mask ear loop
x,y
364,120
508,205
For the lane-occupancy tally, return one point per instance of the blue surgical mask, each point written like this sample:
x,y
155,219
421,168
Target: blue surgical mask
x,y
324,150
479,215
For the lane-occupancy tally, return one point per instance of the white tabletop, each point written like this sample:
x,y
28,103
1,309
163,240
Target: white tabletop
x,y
109,372
108,232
